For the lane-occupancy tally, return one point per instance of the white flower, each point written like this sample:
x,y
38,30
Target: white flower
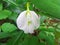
x,y
28,21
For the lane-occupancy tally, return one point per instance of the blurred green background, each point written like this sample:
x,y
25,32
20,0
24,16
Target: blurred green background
x,y
47,34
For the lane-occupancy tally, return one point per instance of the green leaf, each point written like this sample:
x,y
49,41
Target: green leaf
x,y
48,36
4,35
50,7
16,40
42,43
57,33
8,34
50,40
42,35
42,19
13,17
11,1
1,7
45,28
31,40
58,26
7,27
0,29
4,14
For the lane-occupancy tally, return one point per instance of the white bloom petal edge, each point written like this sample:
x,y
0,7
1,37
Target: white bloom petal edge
x,y
28,21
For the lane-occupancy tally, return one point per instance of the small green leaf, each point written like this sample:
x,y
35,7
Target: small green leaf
x,y
4,14
45,28
58,26
7,27
1,7
42,35
13,17
42,19
50,40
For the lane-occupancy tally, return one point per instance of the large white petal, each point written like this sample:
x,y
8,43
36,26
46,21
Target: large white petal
x,y
31,28
21,20
35,18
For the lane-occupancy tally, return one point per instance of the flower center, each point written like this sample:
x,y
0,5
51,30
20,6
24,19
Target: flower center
x,y
29,22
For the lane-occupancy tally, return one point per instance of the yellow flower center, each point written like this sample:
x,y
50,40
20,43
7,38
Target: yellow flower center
x,y
29,22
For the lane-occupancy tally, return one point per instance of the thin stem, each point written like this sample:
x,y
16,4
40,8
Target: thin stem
x,y
18,37
27,6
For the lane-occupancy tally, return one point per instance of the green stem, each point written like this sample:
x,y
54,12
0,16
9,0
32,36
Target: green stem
x,y
27,6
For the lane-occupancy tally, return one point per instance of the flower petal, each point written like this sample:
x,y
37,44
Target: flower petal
x,y
28,28
35,19
21,20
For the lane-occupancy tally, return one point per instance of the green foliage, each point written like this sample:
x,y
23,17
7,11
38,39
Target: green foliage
x,y
13,17
0,7
8,34
4,14
42,43
45,28
49,7
7,27
16,39
31,40
46,34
